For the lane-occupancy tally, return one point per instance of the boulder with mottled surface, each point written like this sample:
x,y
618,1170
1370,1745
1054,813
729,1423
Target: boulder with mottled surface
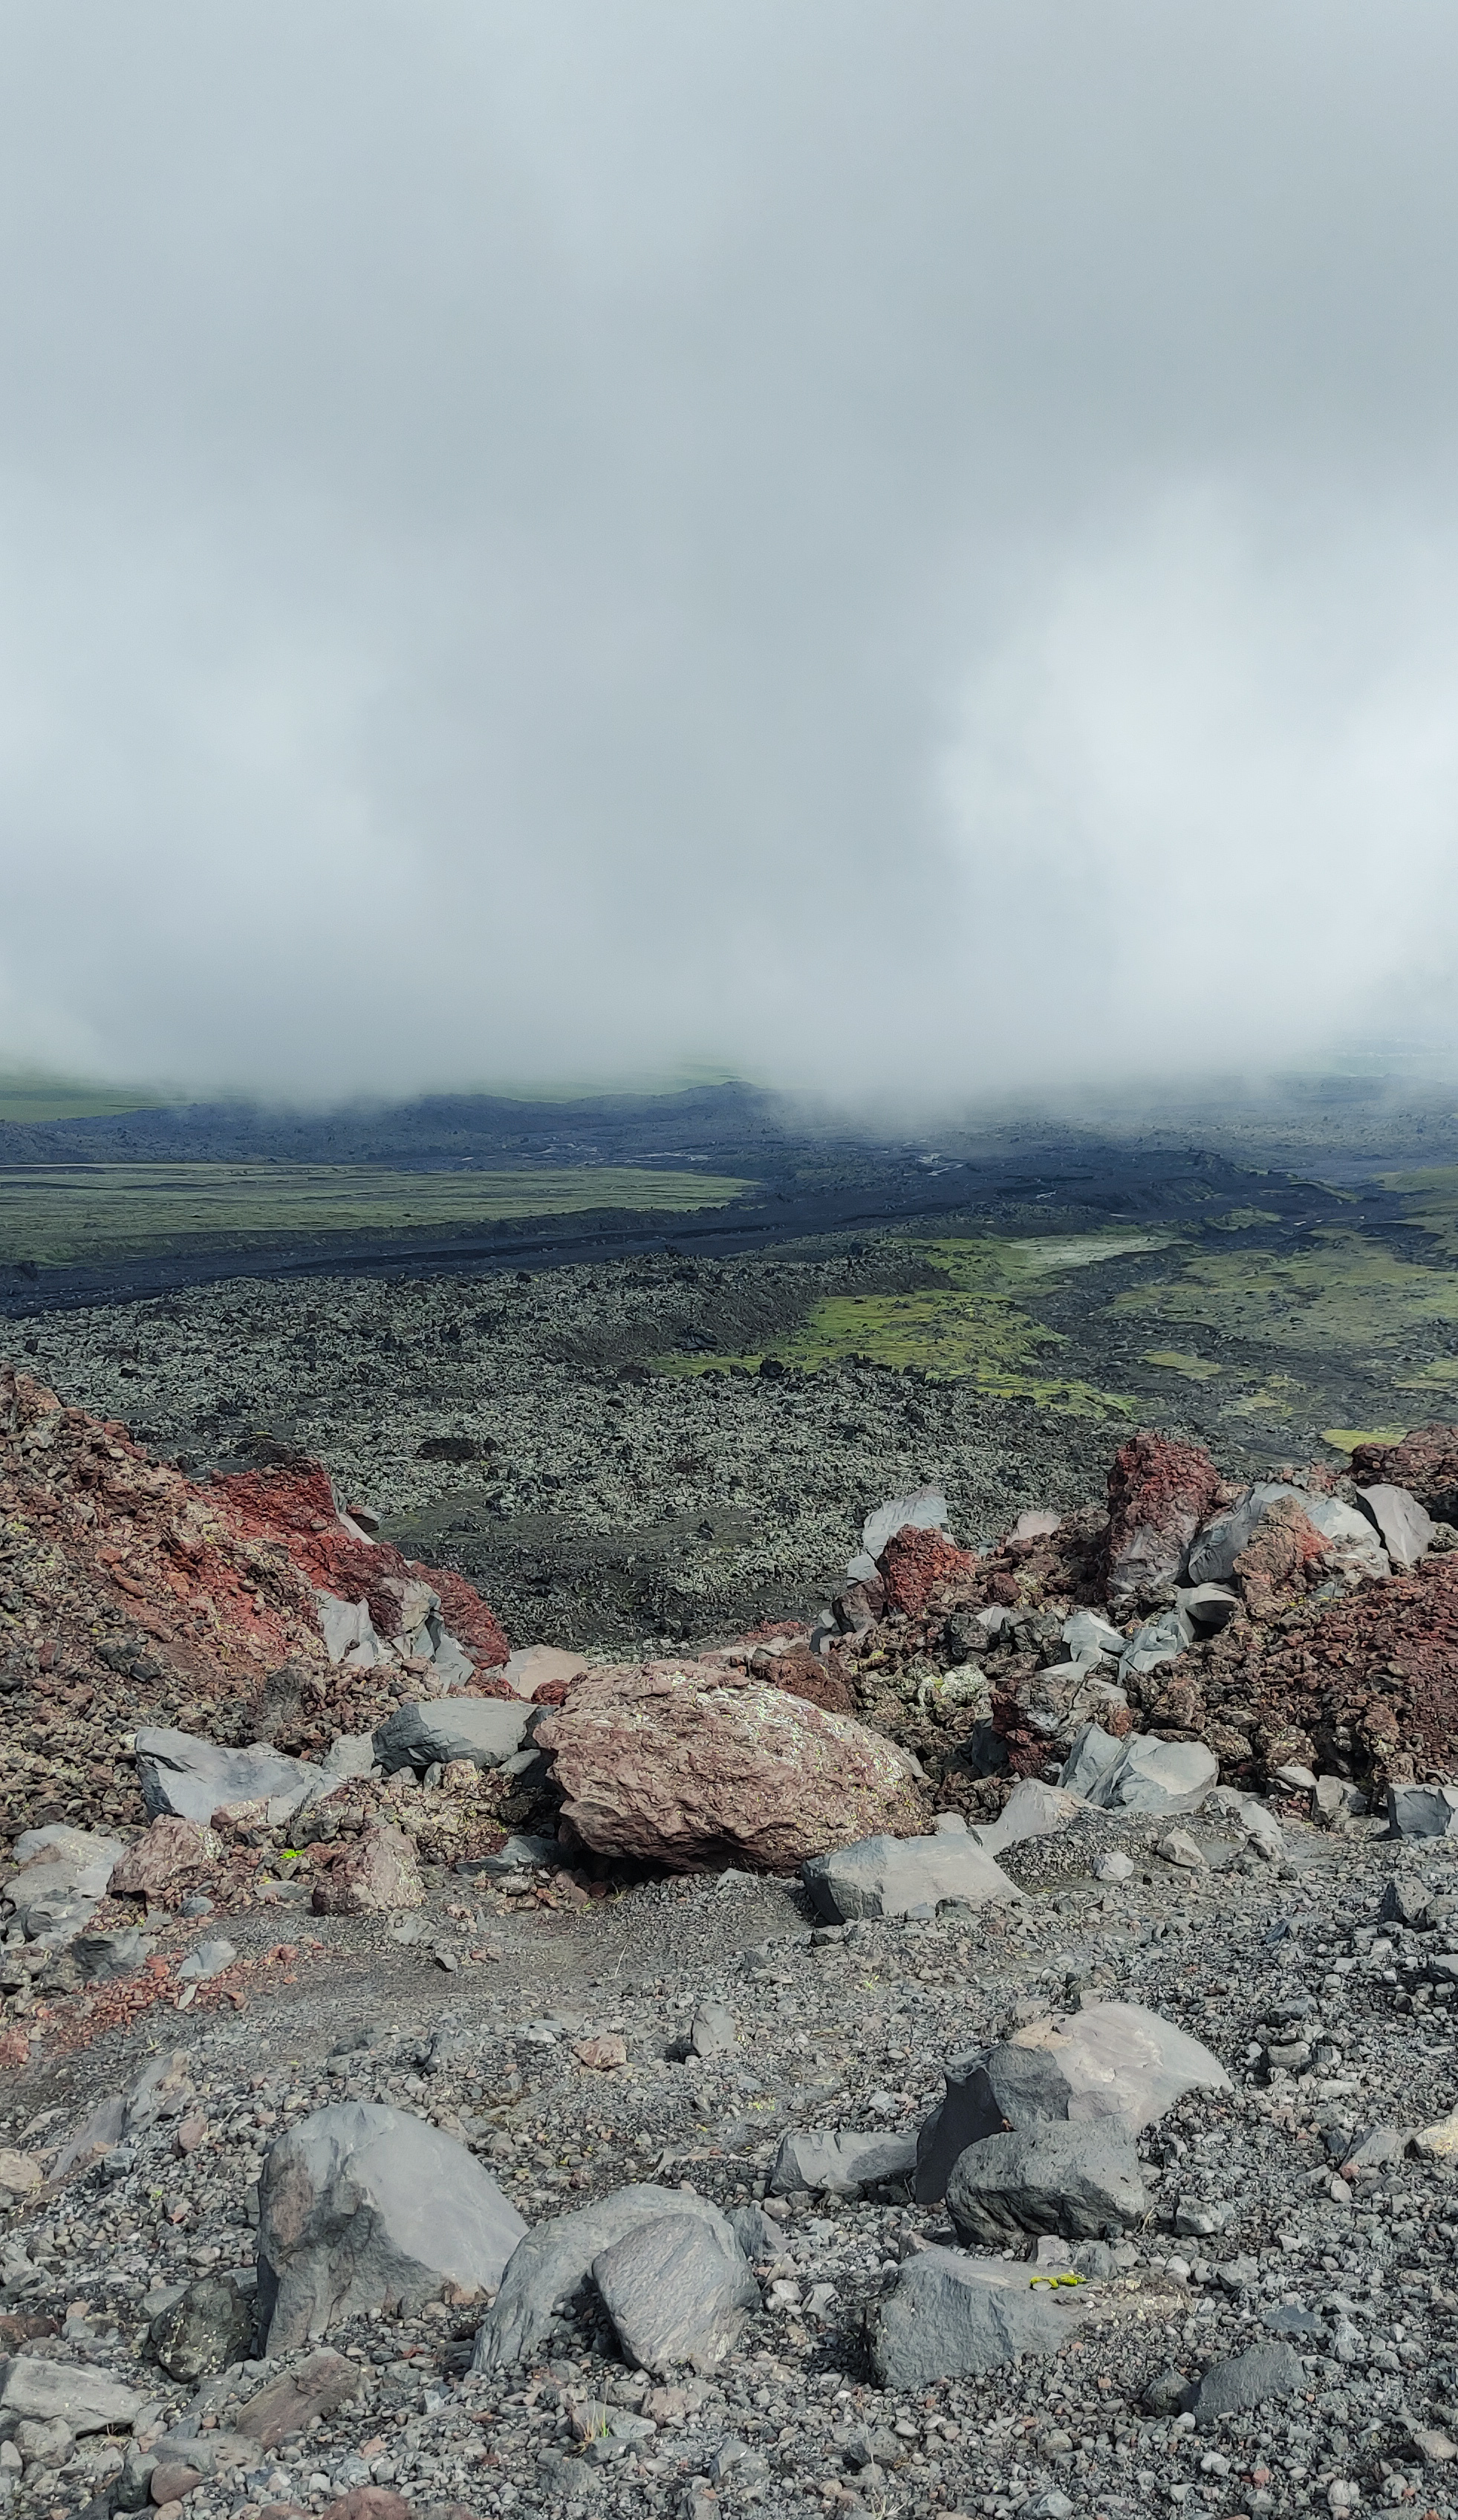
x,y
696,1765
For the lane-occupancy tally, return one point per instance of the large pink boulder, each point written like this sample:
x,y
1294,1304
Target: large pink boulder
x,y
693,1765
1159,1493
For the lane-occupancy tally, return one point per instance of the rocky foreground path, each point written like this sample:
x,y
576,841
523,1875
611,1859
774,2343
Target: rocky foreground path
x,y
1303,2212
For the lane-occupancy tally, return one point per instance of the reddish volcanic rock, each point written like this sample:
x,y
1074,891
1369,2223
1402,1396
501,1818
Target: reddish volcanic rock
x,y
915,1563
1285,1553
158,1599
1159,1492
805,1675
173,1851
1373,1681
699,1763
295,1504
369,1876
1425,1461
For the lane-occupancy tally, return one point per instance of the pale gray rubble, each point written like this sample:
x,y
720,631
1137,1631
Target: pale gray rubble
x,y
183,1774
899,1876
487,1730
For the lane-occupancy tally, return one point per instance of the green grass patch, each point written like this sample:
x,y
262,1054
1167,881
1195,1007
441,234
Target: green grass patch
x,y
1346,1439
1195,1369
55,1214
1239,1220
973,1328
1344,1294
32,1099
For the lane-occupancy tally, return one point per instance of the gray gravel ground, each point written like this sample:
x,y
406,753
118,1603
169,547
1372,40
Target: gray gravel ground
x,y
839,2031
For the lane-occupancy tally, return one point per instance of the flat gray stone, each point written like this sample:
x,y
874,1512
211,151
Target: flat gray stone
x,y
1154,1776
1420,1811
1247,2380
361,2206
99,1958
887,1876
1080,2178
840,2164
348,1630
950,2317
1089,1637
677,2290
487,1730
1159,1641
1208,1607
552,2263
88,2400
209,1960
714,2031
58,1861
351,1755
1031,1810
181,1773
923,1509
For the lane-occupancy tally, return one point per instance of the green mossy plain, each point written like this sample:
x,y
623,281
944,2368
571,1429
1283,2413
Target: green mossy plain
x,y
53,1215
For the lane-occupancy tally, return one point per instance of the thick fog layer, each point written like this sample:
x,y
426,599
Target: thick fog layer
x,y
877,544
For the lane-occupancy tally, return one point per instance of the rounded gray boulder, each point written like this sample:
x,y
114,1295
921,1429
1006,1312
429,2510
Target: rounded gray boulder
x,y
362,2208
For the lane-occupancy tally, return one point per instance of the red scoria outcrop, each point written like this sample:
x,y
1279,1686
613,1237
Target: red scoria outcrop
x,y
1159,1492
130,1595
1425,1461
915,1564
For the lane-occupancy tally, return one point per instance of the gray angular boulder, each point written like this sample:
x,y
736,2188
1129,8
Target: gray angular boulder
x,y
1404,1527
924,1510
1351,1538
714,2031
1090,1637
1080,2178
1158,1640
898,1877
1420,1811
839,2165
1247,2380
486,1729
951,2317
1092,1753
1154,1776
181,1773
677,2290
554,2262
1116,2060
210,2326
1031,1810
362,2207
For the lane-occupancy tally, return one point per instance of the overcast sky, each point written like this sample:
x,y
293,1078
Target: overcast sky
x,y
901,543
